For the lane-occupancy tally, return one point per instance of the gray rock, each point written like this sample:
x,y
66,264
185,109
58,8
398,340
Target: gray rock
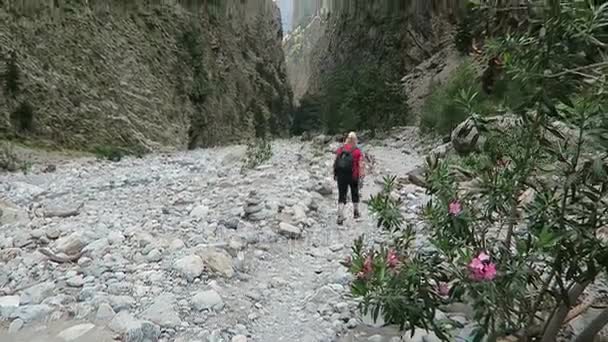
x,y
465,136
37,293
71,244
375,338
76,281
52,233
134,330
417,176
21,239
75,332
207,300
119,303
105,313
32,313
289,230
239,338
162,311
459,308
59,300
15,326
154,255
200,212
218,260
176,244
190,266
115,238
9,302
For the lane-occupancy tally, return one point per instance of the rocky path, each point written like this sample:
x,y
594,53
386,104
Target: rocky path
x,y
184,247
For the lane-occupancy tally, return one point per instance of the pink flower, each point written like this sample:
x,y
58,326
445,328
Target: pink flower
x,y
454,208
368,265
367,268
392,260
482,268
443,289
503,162
483,257
490,272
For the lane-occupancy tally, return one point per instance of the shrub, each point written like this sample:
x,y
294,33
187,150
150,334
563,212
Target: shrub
x,y
23,117
353,98
9,161
110,153
441,111
520,239
258,152
12,77
468,28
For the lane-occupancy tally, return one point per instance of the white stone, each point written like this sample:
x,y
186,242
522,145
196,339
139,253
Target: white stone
x,y
190,266
200,212
71,244
218,260
289,230
207,300
9,301
75,332
162,311
239,338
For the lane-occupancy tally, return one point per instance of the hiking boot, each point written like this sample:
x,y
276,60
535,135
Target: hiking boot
x,y
340,221
356,214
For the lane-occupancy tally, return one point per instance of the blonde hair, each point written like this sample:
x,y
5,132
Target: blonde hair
x,y
351,138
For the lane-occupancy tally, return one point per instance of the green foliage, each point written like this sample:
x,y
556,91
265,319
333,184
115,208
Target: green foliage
x,y
450,103
12,77
307,116
190,41
23,117
260,125
10,161
468,28
518,235
381,274
353,98
258,152
111,153
441,111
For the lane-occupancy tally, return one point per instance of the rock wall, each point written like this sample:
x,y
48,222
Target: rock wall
x,y
299,46
143,75
392,35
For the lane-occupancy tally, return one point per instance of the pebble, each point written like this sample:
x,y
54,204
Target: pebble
x,y
207,300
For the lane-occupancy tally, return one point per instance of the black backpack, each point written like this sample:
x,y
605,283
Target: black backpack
x,y
344,163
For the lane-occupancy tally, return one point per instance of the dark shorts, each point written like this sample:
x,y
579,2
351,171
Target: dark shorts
x,y
343,184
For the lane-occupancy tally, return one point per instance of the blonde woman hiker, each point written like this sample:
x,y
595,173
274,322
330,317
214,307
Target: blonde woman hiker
x,y
349,171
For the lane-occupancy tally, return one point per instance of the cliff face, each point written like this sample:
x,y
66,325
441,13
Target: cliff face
x,y
142,75
391,36
299,46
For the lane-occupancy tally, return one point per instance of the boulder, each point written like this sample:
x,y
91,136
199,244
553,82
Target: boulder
x,y
417,177
207,300
190,266
465,137
218,260
289,230
162,312
71,244
75,332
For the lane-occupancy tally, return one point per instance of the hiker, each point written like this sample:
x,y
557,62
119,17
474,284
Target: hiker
x,y
349,172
